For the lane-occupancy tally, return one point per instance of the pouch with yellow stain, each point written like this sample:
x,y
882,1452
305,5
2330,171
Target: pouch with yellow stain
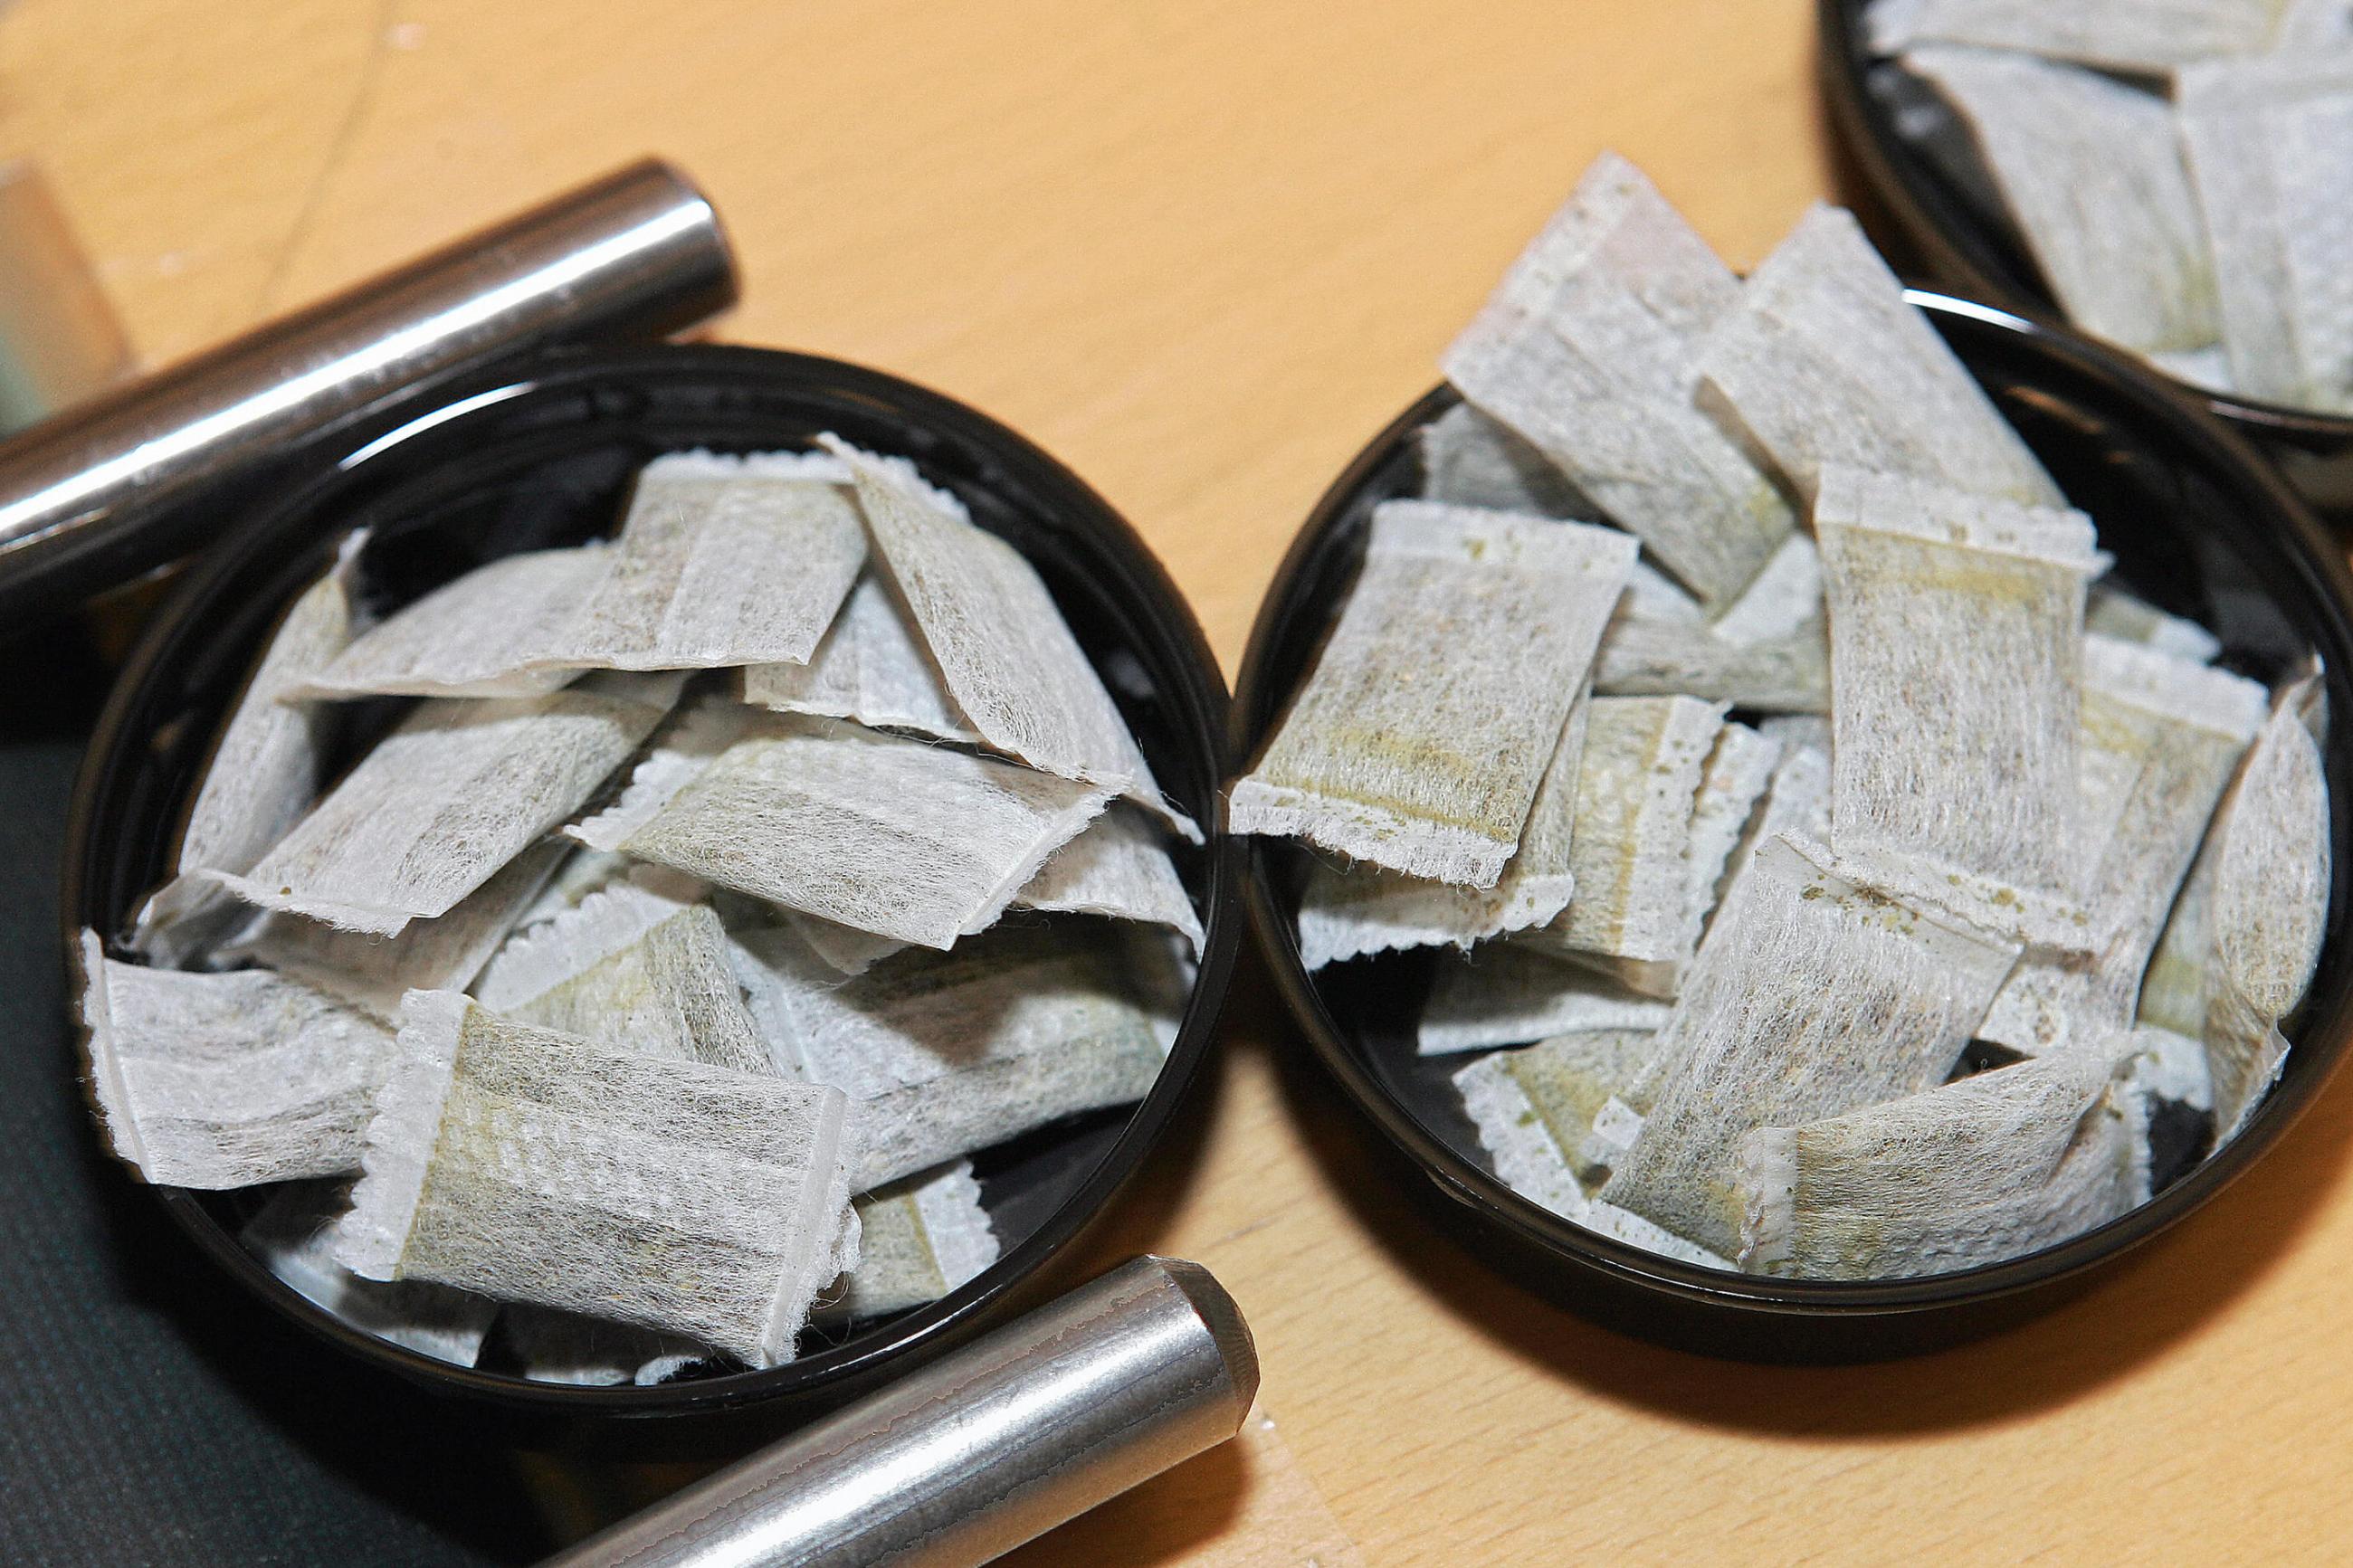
x,y
1418,741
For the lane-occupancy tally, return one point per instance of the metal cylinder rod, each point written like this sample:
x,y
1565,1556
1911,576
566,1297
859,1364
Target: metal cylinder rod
x,y
964,1459
636,254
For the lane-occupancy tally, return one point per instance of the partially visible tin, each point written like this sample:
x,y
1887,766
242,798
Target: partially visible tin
x,y
1962,240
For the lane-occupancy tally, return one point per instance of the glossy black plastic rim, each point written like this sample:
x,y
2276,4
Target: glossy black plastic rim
x,y
296,509
1577,1252
1961,253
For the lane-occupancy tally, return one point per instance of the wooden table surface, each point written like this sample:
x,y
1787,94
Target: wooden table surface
x,y
1202,251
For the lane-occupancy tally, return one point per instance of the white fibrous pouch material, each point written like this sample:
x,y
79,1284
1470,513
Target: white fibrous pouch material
x,y
1116,868
1470,459
574,1348
1740,774
2179,729
919,1239
945,1053
2314,25
486,634
226,1080
1348,913
878,832
1586,351
2316,172
1823,360
2111,611
523,1164
871,668
2266,140
444,954
1511,993
1767,649
292,1235
2091,171
669,992
263,774
2268,905
1520,1146
2171,1067
607,919
1955,645
450,796
1811,997
1992,1166
1797,800
1789,674
2141,37
1637,786
579,874
1419,739
1008,660
1784,600
721,561
1569,1080
846,948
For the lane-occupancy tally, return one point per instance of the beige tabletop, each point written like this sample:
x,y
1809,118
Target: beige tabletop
x,y
1202,251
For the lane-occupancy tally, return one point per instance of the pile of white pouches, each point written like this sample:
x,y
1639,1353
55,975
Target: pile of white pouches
x,y
731,881
2180,171
1822,756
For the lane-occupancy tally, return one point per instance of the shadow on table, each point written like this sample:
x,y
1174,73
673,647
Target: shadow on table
x,y
150,1410
2134,1311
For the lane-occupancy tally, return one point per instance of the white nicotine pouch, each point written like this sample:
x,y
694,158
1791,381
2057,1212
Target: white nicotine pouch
x,y
450,796
1991,1167
2091,171
918,1239
1587,351
229,1080
2142,37
2269,144
871,669
1349,911
1813,996
2245,935
1418,741
942,1054
1512,994
1524,1103
2162,737
1955,653
1823,360
525,1164
262,775
1007,658
879,833
1638,792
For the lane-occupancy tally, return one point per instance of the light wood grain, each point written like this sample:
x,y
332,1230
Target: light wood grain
x,y
1201,252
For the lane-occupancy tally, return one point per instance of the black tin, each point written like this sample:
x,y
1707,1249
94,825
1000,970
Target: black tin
x,y
1959,239
2199,526
540,456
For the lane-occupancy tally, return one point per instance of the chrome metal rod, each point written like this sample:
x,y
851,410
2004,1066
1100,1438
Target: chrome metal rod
x,y
636,254
963,1460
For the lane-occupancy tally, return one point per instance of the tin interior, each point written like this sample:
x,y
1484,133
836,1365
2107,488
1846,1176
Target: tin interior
x,y
2197,526
542,458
